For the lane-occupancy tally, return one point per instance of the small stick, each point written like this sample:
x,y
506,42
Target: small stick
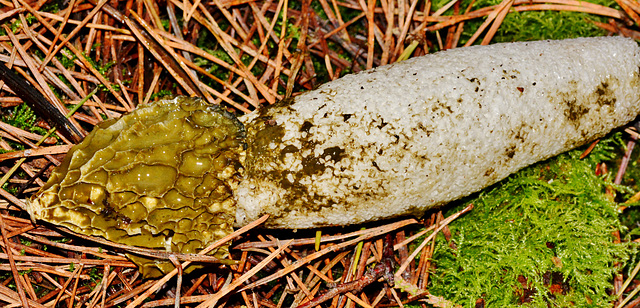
x,y
444,223
56,149
12,263
496,23
178,266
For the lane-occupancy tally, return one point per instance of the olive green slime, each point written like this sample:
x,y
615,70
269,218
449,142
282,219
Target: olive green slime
x,y
160,177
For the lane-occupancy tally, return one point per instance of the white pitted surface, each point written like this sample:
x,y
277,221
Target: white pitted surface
x,y
417,134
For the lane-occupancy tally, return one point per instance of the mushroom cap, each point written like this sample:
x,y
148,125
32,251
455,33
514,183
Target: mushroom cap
x,y
159,177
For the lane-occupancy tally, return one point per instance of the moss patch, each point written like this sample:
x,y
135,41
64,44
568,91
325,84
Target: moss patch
x,y
534,25
541,238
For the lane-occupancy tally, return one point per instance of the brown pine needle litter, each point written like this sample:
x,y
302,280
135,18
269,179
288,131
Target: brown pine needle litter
x,y
240,54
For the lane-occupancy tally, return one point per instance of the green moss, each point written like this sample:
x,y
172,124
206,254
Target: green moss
x,y
533,25
51,7
95,276
103,69
24,118
162,94
541,237
10,188
67,62
548,25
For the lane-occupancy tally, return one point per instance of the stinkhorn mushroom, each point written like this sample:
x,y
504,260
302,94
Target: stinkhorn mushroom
x,y
396,140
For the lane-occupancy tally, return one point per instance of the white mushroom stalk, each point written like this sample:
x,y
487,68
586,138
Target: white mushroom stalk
x,y
414,135
392,141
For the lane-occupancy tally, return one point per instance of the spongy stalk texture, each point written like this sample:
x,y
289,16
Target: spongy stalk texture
x,y
414,135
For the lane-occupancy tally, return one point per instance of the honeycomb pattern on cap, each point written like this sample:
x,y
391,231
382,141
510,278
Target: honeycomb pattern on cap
x,y
159,177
